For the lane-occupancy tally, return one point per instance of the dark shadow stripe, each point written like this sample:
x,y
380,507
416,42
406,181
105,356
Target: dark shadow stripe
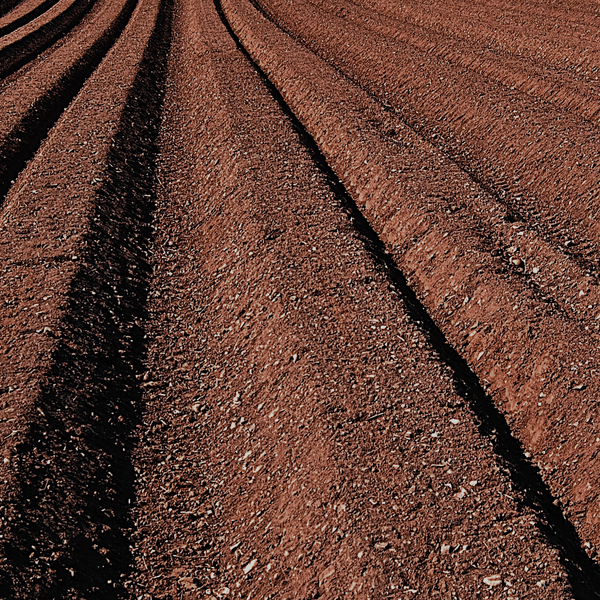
x,y
497,185
583,572
7,5
76,510
19,53
26,18
24,141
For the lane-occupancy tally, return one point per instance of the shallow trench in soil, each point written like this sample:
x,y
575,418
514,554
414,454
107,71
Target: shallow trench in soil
x,y
236,359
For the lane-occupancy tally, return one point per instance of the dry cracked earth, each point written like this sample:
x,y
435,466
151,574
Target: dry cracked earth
x,y
299,299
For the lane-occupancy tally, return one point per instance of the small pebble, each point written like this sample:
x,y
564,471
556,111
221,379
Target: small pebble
x,y
460,495
493,580
250,566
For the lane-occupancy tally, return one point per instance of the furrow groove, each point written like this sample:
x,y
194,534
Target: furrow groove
x,y
537,79
538,160
26,11
299,299
410,195
77,259
33,101
19,47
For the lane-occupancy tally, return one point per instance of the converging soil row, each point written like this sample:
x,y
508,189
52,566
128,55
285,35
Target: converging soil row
x,y
299,300
499,289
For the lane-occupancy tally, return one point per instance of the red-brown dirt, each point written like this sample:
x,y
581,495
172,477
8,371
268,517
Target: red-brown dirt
x,y
552,83
481,302
73,227
7,5
23,13
294,306
18,47
35,97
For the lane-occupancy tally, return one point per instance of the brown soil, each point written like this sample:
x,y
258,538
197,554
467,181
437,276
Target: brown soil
x,y
20,46
538,160
286,316
7,5
72,255
35,96
550,82
459,249
23,13
562,35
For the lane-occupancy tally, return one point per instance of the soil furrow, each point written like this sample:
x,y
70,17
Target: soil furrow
x,y
7,5
300,427
554,40
539,161
33,101
538,80
575,22
299,299
19,47
552,273
75,229
459,280
27,11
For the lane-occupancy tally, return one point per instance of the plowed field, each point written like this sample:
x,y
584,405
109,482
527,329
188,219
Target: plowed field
x,y
299,299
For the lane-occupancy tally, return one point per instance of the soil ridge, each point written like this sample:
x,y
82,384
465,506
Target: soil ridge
x,y
75,479
57,79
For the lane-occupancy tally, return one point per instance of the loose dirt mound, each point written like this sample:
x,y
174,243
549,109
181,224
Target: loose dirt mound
x,y
299,300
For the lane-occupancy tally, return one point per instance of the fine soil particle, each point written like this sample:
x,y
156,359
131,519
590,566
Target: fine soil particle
x,y
301,435
299,299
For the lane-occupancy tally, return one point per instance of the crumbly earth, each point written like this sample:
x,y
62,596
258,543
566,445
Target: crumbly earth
x,y
271,324
494,285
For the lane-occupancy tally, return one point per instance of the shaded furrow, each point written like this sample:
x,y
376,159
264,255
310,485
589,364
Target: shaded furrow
x,y
22,14
75,229
543,36
409,193
302,436
552,271
19,47
539,161
33,101
536,79
7,5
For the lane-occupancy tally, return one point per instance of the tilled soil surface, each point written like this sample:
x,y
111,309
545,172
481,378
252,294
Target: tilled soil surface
x,y
299,299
